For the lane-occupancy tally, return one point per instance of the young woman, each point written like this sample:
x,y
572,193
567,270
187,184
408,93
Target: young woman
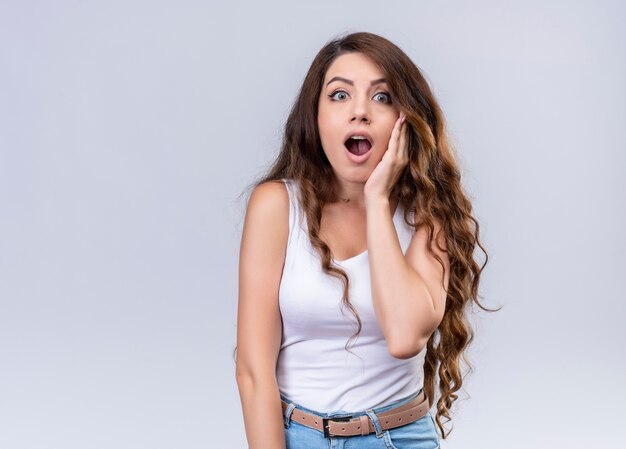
x,y
356,263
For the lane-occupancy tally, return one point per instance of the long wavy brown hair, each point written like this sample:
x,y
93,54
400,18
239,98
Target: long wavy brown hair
x,y
429,189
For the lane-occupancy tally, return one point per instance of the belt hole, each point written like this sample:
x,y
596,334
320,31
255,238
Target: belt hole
x,y
343,428
315,422
386,422
358,427
399,419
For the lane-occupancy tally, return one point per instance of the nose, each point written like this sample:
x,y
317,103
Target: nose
x,y
360,111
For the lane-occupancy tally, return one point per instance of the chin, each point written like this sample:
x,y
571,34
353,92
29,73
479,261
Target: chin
x,y
359,175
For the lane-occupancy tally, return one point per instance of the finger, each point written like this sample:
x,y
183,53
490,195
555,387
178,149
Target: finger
x,y
395,136
400,151
403,147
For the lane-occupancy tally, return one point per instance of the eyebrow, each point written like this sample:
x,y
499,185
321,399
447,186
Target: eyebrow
x,y
345,80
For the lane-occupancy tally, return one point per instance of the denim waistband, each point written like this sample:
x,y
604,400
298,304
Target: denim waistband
x,y
345,414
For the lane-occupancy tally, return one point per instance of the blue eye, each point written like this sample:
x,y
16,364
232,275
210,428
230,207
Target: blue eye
x,y
386,95
333,95
386,98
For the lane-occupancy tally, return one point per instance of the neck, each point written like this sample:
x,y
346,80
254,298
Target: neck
x,y
350,192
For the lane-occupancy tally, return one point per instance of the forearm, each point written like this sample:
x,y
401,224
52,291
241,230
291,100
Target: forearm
x,y
262,413
400,297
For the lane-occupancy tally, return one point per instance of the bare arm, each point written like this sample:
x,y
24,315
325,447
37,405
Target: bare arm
x,y
407,292
259,327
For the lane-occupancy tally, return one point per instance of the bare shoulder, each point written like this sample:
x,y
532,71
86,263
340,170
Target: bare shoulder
x,y
271,195
266,226
268,208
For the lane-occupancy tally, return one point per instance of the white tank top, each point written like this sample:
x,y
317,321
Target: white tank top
x,y
314,369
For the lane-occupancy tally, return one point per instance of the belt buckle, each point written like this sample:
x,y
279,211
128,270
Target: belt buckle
x,y
327,428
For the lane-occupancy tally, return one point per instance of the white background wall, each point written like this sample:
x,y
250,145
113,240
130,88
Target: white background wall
x,y
128,129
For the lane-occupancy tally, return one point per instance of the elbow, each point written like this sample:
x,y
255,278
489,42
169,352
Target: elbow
x,y
244,372
406,349
241,377
247,379
247,383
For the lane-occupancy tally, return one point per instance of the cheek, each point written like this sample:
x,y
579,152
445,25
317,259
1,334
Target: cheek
x,y
383,143
327,130
323,134
326,137
386,135
322,124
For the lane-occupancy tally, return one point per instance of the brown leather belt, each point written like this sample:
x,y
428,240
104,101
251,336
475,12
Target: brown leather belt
x,y
362,425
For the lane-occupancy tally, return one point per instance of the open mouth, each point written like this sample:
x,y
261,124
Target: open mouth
x,y
358,146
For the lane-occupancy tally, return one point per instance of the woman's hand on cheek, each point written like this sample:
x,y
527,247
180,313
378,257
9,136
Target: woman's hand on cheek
x,y
388,171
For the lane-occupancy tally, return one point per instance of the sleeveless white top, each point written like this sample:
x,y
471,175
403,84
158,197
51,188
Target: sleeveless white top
x,y
314,369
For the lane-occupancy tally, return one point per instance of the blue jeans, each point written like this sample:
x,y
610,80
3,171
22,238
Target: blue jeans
x,y
420,434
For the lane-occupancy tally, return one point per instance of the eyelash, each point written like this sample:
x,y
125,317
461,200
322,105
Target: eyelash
x,y
377,93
